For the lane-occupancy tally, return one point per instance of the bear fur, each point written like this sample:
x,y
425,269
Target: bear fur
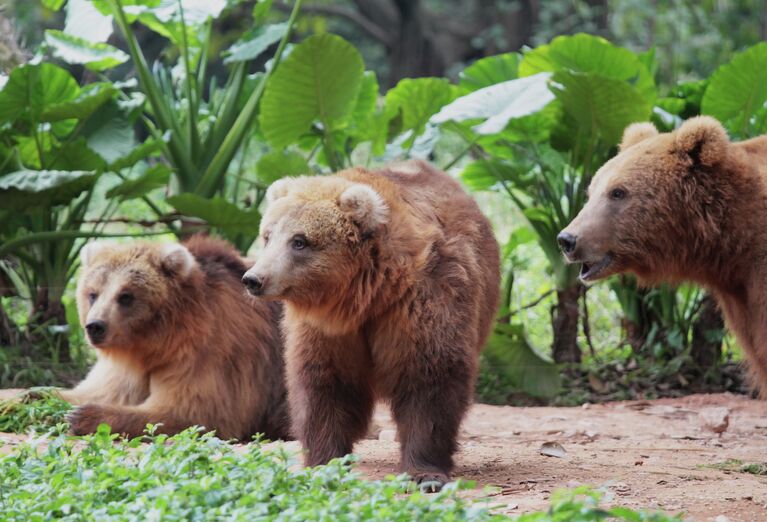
x,y
178,342
688,205
390,281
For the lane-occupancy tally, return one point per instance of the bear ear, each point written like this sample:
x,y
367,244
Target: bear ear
x,y
177,260
637,132
365,206
703,139
279,189
92,250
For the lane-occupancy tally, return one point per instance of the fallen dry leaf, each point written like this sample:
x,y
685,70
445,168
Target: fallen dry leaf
x,y
553,449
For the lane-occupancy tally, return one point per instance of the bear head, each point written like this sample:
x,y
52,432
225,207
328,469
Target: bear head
x,y
313,231
123,289
653,207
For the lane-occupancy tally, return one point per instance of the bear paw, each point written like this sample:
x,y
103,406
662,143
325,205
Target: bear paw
x,y
85,419
430,481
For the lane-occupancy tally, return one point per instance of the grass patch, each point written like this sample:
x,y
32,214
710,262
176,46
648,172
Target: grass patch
x,y
195,476
39,410
192,476
754,468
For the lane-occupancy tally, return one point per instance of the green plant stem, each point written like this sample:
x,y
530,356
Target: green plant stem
x,y
162,112
58,235
217,167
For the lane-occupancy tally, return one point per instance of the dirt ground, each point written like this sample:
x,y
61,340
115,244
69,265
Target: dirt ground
x,y
648,454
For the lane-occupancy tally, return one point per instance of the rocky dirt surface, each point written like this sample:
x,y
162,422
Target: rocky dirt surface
x,y
648,454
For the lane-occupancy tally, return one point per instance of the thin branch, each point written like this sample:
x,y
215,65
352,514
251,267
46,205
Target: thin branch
x,y
532,304
351,15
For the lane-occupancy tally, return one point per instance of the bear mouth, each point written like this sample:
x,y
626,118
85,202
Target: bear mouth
x,y
591,271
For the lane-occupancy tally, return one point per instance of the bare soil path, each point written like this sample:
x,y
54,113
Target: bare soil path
x,y
648,454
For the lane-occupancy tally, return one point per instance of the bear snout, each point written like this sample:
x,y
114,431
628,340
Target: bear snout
x,y
97,331
254,284
566,242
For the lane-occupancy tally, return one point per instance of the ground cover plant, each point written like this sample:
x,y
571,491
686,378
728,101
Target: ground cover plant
x,y
195,476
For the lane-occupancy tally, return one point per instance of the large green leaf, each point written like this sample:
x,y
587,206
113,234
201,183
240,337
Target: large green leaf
x,y
317,83
25,189
155,177
597,109
255,42
737,90
33,88
217,212
499,103
489,71
85,21
279,164
364,107
415,101
585,53
75,50
91,97
509,353
150,147
109,133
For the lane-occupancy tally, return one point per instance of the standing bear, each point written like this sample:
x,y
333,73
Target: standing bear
x,y
178,342
390,281
682,206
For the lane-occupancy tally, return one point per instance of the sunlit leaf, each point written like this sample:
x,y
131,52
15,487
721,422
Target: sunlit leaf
x,y
499,103
317,83
26,189
75,50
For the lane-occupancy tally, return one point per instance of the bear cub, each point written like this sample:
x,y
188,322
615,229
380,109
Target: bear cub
x,y
178,342
390,281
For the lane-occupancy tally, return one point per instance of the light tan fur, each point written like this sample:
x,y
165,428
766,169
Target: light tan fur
x,y
188,348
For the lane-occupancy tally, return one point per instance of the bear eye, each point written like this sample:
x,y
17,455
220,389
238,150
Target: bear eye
x,y
125,299
92,297
617,193
266,239
298,243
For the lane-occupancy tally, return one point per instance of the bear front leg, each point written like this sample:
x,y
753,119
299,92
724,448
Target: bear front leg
x,y
331,402
128,421
428,414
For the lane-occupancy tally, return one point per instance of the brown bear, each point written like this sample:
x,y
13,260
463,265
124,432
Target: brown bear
x,y
178,342
390,281
688,205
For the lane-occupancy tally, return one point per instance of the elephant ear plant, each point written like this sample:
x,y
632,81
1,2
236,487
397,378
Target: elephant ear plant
x,y
57,140
199,122
539,124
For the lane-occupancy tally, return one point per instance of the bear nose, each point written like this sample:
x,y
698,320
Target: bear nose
x,y
96,329
254,284
566,242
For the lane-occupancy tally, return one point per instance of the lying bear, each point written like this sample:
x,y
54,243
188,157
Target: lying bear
x,y
178,342
683,206
390,281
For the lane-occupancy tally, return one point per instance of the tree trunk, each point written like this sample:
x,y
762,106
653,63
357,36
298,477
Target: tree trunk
x,y
706,335
413,54
50,312
565,326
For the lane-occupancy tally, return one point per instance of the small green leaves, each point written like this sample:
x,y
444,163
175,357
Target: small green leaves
x,y
252,44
